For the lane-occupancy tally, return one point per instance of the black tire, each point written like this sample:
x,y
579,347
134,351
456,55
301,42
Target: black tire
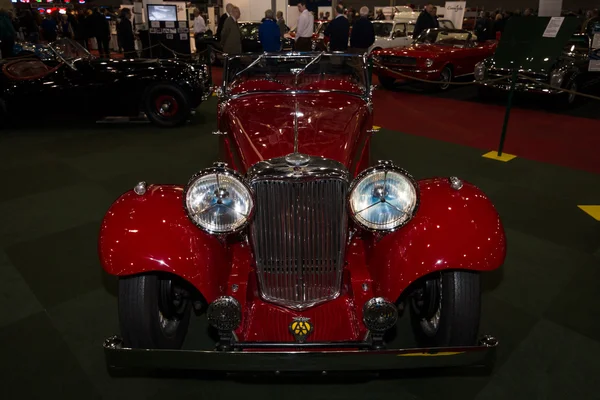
x,y
166,105
386,81
569,99
147,316
457,310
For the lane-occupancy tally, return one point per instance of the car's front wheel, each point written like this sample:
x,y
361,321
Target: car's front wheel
x,y
154,311
445,79
166,105
445,309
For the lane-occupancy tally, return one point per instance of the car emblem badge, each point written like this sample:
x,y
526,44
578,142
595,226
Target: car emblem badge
x,y
301,328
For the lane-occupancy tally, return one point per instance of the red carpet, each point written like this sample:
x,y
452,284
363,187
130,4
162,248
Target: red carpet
x,y
536,135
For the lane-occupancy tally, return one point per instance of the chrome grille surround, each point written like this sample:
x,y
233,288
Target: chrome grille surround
x,y
300,228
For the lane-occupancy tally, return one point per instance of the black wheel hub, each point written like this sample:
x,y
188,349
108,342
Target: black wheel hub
x,y
172,299
426,298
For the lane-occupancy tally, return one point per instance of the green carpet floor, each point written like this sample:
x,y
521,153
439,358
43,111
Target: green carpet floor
x,y
57,306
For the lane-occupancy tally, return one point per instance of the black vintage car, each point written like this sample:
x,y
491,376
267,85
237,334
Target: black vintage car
x,y
76,83
551,76
250,42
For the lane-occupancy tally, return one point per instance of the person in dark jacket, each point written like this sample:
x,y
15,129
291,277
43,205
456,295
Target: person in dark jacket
x,y
269,34
7,34
484,28
222,19
425,21
338,31
125,34
49,29
101,31
363,34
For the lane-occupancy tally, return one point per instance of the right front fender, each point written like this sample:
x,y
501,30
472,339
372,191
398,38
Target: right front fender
x,y
151,232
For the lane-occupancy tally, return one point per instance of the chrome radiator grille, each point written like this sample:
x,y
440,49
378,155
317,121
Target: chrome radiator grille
x,y
299,235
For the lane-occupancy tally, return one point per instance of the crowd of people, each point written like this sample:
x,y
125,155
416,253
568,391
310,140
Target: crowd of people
x,y
83,26
273,28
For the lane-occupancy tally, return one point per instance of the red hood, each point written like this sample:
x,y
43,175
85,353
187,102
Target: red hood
x,y
418,51
332,125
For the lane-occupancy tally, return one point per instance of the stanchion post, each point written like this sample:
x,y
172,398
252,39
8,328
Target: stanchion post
x,y
513,82
370,70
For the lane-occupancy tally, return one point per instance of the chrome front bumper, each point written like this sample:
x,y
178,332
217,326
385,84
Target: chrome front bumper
x,y
522,88
273,357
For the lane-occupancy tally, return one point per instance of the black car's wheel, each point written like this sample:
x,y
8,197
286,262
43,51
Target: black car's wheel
x,y
386,81
445,309
166,105
571,99
154,311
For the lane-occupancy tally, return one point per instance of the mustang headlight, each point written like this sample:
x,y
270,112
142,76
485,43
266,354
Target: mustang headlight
x,y
218,201
383,198
479,71
428,62
557,77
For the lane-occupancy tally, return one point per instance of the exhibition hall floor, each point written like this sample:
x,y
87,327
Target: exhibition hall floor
x,y
57,306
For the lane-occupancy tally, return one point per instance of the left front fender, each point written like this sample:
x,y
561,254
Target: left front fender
x,y
152,233
452,229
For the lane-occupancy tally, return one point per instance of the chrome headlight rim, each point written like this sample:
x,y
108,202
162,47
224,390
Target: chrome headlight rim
x,y
220,168
380,166
429,62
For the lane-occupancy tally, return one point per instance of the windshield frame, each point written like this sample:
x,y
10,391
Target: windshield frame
x,y
467,42
310,57
69,61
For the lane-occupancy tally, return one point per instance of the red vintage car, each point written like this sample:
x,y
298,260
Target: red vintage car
x,y
440,55
302,251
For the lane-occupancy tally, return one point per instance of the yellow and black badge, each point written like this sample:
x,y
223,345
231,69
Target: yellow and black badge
x,y
301,328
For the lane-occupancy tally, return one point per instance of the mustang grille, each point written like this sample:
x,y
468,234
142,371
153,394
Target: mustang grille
x,y
299,236
399,60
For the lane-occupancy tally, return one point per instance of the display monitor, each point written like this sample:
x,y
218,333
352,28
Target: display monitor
x,y
158,12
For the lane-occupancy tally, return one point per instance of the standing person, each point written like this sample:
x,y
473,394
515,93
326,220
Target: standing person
x,y
380,15
49,29
7,34
338,30
101,31
304,30
30,27
125,34
363,33
231,37
66,30
269,34
435,17
281,23
222,20
425,21
199,31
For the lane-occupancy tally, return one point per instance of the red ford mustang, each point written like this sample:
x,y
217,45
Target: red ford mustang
x,y
302,251
436,55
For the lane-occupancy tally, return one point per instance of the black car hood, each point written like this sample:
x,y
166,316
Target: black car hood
x,y
544,65
135,64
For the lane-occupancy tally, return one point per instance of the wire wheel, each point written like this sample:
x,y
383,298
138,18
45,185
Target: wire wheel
x,y
445,78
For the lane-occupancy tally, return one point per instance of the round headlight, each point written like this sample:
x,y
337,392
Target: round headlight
x,y
383,198
428,62
218,201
